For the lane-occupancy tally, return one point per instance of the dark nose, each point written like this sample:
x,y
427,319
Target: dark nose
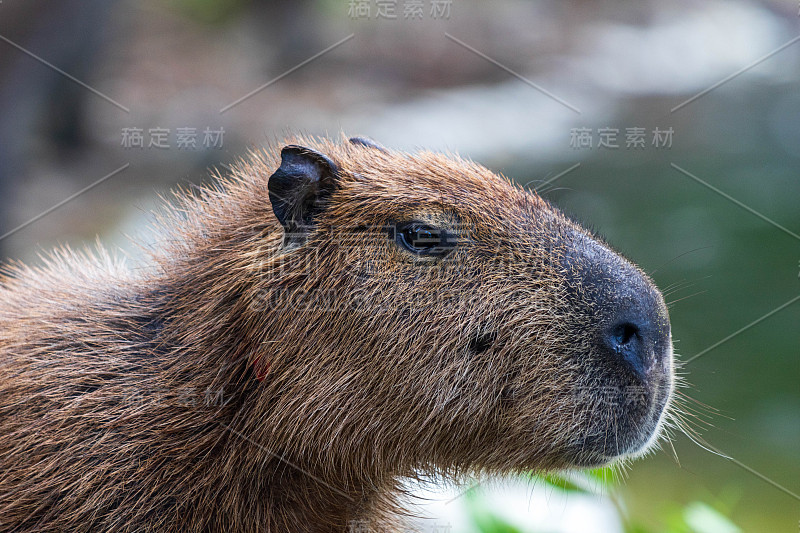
x,y
627,340
625,309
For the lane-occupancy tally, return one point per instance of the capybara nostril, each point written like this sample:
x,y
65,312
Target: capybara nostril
x,y
625,332
624,339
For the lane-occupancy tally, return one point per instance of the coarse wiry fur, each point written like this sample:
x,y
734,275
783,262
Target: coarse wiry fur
x,y
239,384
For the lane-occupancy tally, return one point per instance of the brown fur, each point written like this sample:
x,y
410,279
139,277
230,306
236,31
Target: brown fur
x,y
131,399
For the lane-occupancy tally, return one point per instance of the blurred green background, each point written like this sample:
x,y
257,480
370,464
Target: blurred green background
x,y
513,85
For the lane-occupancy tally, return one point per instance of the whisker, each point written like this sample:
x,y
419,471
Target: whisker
x,y
678,257
670,304
677,286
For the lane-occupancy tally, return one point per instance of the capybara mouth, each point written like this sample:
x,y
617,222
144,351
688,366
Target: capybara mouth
x,y
627,422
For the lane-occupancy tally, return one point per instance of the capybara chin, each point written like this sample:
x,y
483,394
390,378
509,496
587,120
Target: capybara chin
x,y
329,320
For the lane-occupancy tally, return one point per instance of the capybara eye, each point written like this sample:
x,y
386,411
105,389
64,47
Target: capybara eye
x,y
422,239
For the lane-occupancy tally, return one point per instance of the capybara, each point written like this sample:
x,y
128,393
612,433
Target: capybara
x,y
326,322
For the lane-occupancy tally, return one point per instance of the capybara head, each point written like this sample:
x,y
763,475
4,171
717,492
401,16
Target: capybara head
x,y
428,314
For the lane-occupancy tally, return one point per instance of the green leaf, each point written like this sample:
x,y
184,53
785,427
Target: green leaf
x,y
488,523
702,518
605,475
562,482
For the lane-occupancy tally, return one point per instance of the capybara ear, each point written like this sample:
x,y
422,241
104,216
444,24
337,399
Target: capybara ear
x,y
299,189
368,143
